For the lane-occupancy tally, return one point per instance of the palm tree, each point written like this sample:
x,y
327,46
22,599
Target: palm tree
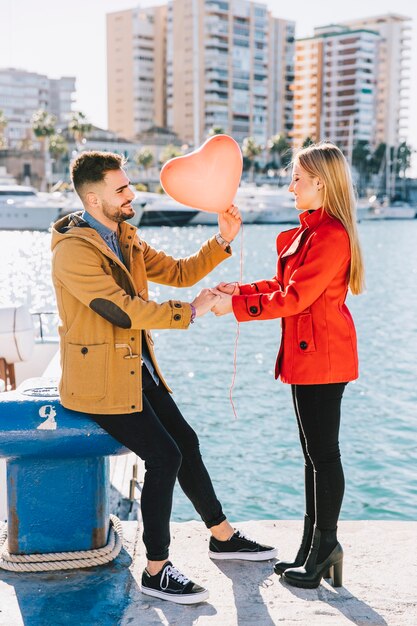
x,y
362,161
43,127
250,150
403,162
215,130
279,149
3,124
307,142
79,127
144,158
57,145
170,152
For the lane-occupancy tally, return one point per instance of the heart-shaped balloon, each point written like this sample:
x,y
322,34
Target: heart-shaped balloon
x,y
208,178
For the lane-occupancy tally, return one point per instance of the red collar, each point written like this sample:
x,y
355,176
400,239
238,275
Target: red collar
x,y
310,220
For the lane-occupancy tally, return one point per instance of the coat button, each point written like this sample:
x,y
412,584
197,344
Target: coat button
x,y
253,309
133,406
132,339
177,305
177,317
84,350
132,372
126,245
303,345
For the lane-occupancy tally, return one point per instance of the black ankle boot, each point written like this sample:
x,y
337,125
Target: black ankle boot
x,y
303,550
309,576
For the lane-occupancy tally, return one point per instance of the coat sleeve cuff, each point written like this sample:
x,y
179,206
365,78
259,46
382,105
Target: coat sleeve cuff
x,y
181,314
246,308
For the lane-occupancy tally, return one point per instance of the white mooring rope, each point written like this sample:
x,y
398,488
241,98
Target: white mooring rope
x,y
62,560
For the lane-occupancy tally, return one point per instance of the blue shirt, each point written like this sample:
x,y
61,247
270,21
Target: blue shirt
x,y
112,240
109,235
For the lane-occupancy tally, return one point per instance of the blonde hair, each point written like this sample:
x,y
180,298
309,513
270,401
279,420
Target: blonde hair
x,y
326,161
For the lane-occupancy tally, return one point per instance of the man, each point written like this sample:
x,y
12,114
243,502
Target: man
x,y
101,269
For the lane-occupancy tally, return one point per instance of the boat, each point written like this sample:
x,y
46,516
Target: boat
x,y
23,208
274,206
397,210
160,210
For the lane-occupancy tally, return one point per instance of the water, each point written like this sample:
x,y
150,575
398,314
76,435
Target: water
x,y
255,461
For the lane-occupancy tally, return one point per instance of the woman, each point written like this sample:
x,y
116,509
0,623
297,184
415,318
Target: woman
x,y
317,263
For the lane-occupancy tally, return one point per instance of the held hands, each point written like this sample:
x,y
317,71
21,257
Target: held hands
x,y
205,301
226,291
218,299
229,223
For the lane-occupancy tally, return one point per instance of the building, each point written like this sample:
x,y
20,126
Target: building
x,y
229,64
136,70
195,64
22,93
335,88
393,79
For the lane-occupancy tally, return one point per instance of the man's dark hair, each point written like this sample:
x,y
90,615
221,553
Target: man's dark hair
x,y
91,167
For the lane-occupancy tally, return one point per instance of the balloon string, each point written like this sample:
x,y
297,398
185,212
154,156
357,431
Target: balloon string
x,y
237,331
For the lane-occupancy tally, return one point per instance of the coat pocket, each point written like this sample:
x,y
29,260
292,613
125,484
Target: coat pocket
x,y
305,333
86,370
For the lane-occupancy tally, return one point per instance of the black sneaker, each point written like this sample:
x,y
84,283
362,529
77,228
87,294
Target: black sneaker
x,y
170,584
240,547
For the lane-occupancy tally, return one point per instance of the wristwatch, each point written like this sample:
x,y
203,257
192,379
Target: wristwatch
x,y
222,241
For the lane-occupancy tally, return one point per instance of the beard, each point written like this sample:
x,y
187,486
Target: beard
x,y
117,213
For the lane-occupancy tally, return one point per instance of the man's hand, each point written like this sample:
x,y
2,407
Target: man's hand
x,y
205,301
232,289
229,223
223,305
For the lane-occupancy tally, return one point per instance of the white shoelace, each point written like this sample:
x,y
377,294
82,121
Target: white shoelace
x,y
171,572
243,536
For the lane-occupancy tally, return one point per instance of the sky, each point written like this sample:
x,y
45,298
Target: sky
x,y
59,38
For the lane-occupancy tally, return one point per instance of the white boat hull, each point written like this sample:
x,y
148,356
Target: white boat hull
x,y
26,217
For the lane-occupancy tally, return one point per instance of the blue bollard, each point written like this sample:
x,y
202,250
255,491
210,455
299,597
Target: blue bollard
x,y
57,472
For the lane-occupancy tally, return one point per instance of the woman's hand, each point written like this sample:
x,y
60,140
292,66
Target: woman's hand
x,y
232,289
223,304
229,223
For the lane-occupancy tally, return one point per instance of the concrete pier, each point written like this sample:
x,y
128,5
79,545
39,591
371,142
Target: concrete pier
x,y
380,584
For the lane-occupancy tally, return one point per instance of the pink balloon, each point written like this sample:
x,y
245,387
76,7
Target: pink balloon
x,y
208,178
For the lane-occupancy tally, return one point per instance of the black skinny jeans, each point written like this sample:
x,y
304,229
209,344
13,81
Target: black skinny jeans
x,y
317,408
169,446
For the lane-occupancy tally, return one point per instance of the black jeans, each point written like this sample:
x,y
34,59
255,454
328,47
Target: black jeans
x,y
169,446
317,408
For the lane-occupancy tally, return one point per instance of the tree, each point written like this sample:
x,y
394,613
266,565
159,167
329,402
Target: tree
x,y
250,150
402,163
280,151
308,141
43,124
43,127
79,127
57,146
144,158
170,152
362,161
215,130
3,124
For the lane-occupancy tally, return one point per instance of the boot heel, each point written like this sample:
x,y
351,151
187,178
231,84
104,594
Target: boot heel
x,y
338,574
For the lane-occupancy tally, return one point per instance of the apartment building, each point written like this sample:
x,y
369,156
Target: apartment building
x,y
229,64
22,93
195,64
393,79
136,72
335,87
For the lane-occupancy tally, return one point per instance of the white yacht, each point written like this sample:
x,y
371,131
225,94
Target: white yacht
x,y
23,208
397,210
